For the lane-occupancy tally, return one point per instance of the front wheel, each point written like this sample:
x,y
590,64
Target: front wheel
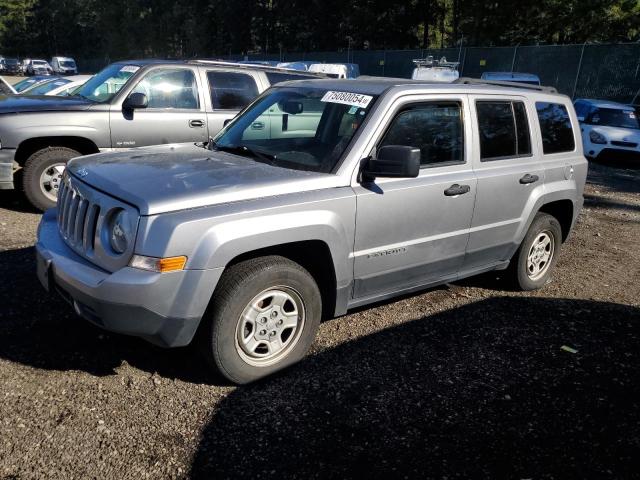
x,y
538,253
264,317
43,175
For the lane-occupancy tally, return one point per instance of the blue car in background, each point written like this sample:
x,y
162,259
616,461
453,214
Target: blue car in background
x,y
30,82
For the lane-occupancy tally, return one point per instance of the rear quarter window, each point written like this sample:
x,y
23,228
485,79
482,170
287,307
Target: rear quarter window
x,y
231,90
555,128
277,77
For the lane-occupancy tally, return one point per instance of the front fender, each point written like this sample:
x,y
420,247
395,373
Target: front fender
x,y
212,237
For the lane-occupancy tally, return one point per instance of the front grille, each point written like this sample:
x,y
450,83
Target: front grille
x,y
83,213
619,143
77,218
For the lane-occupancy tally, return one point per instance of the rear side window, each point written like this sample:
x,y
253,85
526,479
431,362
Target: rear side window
x,y
503,129
435,128
231,91
555,127
277,77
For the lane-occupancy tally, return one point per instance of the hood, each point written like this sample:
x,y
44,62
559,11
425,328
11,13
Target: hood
x,y
618,133
41,103
176,177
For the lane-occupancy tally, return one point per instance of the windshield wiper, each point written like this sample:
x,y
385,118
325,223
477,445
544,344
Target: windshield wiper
x,y
247,151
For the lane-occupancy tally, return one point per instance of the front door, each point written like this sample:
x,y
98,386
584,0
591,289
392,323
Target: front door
x,y
413,232
175,111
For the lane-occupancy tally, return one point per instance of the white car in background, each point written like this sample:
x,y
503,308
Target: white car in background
x,y
609,129
68,88
438,71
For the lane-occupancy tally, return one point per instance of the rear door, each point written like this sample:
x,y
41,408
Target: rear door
x,y
175,111
227,93
509,175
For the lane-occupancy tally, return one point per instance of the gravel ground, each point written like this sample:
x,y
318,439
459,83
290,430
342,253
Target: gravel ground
x,y
467,380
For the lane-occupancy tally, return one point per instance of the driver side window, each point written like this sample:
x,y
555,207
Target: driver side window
x,y
170,88
435,128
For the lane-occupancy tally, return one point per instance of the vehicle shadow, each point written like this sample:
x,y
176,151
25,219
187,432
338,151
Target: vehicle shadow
x,y
15,200
39,329
481,391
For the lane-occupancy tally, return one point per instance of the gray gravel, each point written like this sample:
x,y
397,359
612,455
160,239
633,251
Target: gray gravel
x,y
466,380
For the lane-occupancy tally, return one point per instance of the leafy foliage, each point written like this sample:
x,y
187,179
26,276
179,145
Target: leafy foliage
x,y
182,28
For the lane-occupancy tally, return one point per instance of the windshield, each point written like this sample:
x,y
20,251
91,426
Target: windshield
x,y
612,117
68,63
298,128
10,61
39,63
46,87
24,84
103,86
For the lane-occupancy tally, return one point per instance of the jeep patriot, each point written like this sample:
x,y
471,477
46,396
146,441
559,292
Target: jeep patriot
x,y
321,196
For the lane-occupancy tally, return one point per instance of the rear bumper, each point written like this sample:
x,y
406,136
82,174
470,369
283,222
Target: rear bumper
x,y
164,309
6,168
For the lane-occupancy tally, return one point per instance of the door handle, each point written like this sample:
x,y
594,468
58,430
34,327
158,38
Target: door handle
x,y
528,178
456,189
196,123
257,126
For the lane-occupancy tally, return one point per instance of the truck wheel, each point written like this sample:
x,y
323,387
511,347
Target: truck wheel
x,y
43,174
538,253
264,316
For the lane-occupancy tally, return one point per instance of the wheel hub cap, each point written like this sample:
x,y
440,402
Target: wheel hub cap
x,y
51,179
270,325
540,255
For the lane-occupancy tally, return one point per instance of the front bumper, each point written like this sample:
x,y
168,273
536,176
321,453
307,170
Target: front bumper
x,y
6,168
163,308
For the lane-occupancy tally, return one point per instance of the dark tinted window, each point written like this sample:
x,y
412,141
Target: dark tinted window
x,y
503,129
435,128
231,91
522,129
555,127
277,77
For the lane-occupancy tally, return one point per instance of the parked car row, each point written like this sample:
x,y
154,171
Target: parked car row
x,y
128,104
34,66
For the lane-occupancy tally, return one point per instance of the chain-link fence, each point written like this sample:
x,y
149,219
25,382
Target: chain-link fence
x,y
609,71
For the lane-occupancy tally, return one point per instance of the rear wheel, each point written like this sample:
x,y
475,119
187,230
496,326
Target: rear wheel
x,y
538,253
264,317
43,175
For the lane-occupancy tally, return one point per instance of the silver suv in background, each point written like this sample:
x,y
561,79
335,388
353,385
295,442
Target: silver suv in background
x,y
323,195
128,104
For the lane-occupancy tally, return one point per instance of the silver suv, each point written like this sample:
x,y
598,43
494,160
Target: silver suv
x,y
128,104
323,195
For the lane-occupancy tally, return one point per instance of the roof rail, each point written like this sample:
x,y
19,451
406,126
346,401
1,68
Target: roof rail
x,y
526,86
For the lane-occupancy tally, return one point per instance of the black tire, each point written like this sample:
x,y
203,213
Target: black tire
x,y
239,286
519,269
35,165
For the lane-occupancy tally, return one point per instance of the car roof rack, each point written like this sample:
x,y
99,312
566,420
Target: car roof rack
x,y
433,62
526,86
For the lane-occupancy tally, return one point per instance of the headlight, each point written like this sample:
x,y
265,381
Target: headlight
x,y
597,137
120,231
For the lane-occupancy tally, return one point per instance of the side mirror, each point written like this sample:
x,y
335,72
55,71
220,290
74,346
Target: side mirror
x,y
135,100
396,161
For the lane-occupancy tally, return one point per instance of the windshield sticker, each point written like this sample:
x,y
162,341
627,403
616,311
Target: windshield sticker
x,y
130,68
347,98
